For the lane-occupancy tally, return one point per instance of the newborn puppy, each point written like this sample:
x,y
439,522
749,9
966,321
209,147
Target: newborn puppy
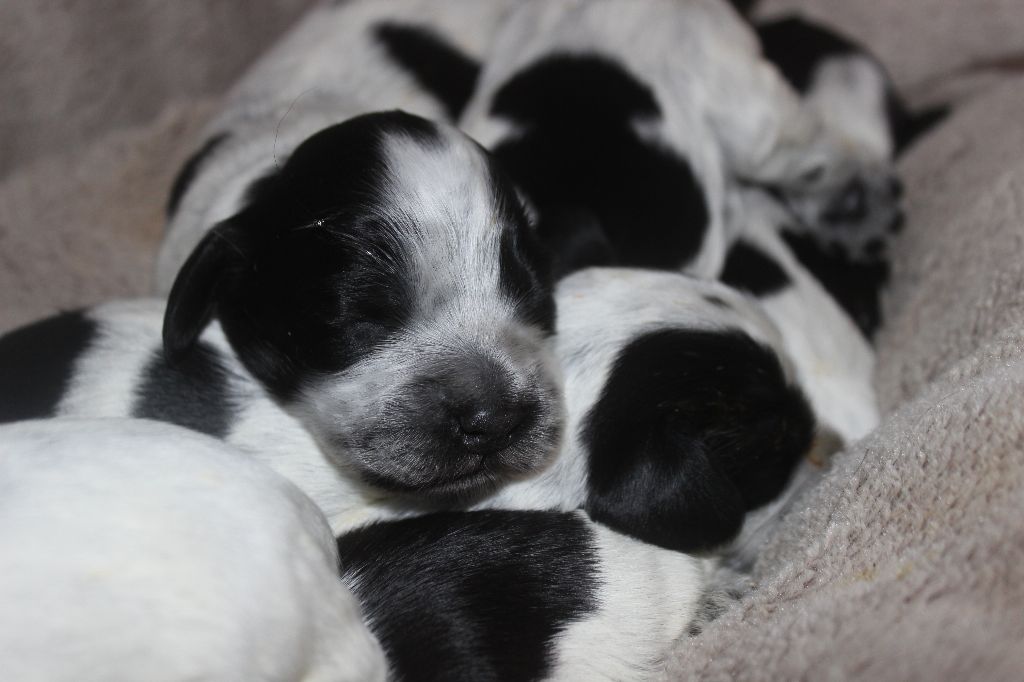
x,y
857,101
683,413
142,551
527,595
109,361
385,287
341,60
623,122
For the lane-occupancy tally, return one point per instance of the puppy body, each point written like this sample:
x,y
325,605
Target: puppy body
x,y
118,368
832,359
144,551
620,331
683,412
525,595
573,92
342,59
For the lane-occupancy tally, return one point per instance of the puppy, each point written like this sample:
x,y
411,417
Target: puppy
x,y
143,551
857,101
109,361
624,121
683,413
385,287
527,595
341,60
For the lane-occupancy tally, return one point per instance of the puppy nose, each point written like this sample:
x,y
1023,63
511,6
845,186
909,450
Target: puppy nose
x,y
489,426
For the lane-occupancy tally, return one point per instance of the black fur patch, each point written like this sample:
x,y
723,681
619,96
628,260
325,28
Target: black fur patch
x,y
750,269
37,361
189,171
692,430
192,392
437,65
797,47
855,285
472,596
604,195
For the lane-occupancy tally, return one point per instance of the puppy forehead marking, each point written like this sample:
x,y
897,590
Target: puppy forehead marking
x,y
440,196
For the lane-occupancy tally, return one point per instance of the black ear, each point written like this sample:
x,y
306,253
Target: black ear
x,y
912,125
667,492
193,297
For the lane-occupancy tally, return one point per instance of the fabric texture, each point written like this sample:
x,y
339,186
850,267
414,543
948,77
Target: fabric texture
x,y
907,562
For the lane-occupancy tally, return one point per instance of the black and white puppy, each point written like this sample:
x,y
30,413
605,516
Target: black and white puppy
x,y
135,550
624,122
684,413
341,60
385,286
524,595
109,361
858,102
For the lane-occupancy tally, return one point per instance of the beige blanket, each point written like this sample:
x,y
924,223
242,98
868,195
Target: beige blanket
x,y
907,563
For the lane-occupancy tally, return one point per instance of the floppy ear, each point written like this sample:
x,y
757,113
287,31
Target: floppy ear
x,y
193,297
667,493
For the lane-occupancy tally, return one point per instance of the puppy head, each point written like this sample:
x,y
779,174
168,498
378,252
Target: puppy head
x,y
689,416
385,286
857,200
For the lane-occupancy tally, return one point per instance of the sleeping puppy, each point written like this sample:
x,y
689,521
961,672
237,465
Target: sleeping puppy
x,y
109,361
523,595
858,102
142,551
683,411
342,60
383,287
624,121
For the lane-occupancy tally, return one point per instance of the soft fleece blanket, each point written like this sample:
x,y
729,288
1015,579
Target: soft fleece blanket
x,y
906,563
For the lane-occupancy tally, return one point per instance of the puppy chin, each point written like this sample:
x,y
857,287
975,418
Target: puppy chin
x,y
432,473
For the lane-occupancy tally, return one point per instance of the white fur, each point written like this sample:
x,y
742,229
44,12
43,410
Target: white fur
x,y
849,93
833,361
647,597
328,68
108,374
141,551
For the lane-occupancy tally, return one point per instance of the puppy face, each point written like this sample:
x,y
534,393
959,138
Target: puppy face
x,y
384,284
685,408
